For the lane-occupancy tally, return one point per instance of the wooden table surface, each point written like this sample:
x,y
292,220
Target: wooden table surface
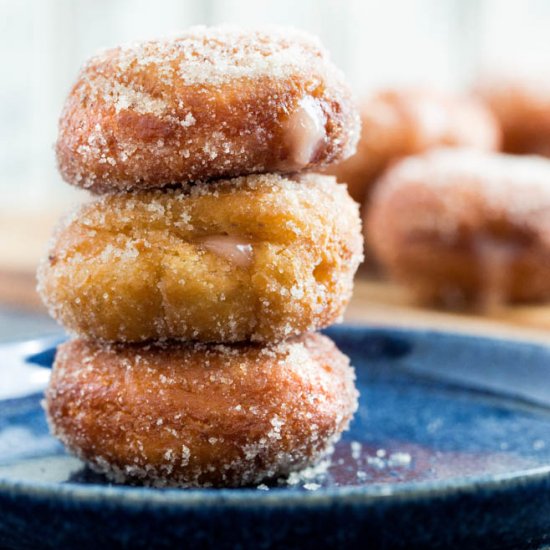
x,y
378,302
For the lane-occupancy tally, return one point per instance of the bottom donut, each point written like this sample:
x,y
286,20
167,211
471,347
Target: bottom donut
x,y
198,415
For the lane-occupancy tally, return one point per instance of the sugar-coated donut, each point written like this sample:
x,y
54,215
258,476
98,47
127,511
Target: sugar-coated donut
x,y
214,102
256,258
404,121
462,227
200,414
522,107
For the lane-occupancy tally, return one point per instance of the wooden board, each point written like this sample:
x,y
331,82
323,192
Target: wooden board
x,y
24,239
381,303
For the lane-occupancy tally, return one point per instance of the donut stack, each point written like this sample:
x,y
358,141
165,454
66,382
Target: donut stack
x,y
195,279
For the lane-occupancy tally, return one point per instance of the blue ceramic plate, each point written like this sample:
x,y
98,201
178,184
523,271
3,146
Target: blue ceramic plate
x,y
436,457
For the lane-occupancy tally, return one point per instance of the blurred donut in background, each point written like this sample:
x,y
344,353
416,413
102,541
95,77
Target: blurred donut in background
x,y
522,107
463,227
404,121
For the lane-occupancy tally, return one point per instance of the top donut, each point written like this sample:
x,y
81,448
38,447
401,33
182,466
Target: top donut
x,y
214,102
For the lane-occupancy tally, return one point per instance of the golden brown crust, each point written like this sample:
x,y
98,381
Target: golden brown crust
x,y
200,415
401,122
463,226
522,107
135,267
215,102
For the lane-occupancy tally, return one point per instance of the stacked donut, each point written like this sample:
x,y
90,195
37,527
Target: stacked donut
x,y
196,277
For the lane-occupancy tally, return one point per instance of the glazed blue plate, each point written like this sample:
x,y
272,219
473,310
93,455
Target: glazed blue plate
x,y
450,448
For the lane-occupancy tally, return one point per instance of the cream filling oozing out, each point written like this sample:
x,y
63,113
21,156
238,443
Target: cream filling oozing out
x,y
234,249
304,132
495,258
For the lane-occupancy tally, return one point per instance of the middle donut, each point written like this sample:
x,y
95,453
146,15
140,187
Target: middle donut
x,y
258,258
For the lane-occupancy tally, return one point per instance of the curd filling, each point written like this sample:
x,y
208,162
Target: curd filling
x,y
304,132
236,250
495,258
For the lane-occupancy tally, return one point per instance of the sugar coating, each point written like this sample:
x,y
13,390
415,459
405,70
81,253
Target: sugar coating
x,y
213,102
465,224
397,122
194,415
513,187
140,266
216,55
